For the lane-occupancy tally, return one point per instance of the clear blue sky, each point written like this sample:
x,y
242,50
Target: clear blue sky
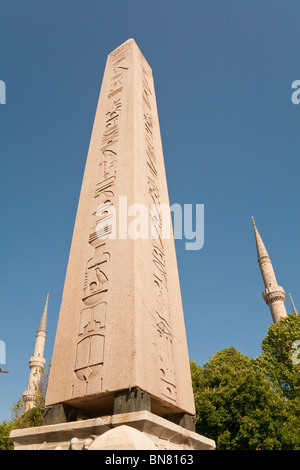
x,y
231,136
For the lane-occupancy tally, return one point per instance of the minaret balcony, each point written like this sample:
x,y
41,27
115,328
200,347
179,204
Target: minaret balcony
x,y
29,395
274,294
35,361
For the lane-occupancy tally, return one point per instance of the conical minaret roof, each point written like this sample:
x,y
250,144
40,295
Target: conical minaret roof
x,y
43,323
261,249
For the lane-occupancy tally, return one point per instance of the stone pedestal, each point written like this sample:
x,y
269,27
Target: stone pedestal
x,y
139,430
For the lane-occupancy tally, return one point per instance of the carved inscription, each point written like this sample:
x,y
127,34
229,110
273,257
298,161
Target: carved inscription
x,y
91,331
162,310
90,346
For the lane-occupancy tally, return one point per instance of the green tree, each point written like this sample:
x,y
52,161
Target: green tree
x,y
5,442
20,419
28,419
237,406
280,358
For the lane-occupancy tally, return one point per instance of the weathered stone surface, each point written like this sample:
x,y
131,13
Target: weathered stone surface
x,y
123,438
60,413
121,322
127,401
158,433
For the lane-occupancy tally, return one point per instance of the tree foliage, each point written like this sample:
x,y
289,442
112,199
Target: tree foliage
x,y
252,404
21,419
5,442
280,358
237,406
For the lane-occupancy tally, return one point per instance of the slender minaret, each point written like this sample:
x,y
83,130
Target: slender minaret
x,y
273,294
36,363
295,311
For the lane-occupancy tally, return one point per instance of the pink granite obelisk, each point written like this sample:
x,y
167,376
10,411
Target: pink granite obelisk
x,y
121,324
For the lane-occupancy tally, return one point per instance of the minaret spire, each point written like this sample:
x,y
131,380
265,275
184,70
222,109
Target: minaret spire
x,y
273,294
43,323
294,308
261,249
36,363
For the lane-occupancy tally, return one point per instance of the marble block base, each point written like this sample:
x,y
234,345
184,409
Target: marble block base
x,y
141,430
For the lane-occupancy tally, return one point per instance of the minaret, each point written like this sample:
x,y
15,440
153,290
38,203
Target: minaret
x,y
36,364
273,294
295,311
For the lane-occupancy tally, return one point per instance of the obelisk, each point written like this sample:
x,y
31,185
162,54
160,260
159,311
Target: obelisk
x,y
121,324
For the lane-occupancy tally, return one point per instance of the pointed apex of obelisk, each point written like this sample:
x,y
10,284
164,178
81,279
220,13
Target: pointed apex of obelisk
x,y
128,41
122,47
261,249
43,323
294,308
119,54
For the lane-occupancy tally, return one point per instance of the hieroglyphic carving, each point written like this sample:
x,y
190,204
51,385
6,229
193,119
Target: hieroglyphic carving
x,y
90,348
95,277
91,333
162,310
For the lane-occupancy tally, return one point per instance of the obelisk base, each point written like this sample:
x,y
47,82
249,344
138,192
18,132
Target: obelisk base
x,y
141,430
